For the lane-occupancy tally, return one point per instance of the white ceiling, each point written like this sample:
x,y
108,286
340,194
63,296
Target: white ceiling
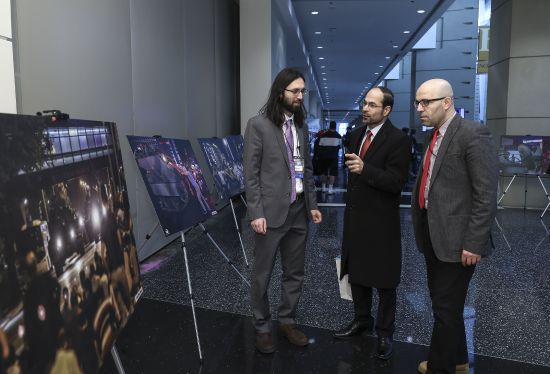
x,y
361,41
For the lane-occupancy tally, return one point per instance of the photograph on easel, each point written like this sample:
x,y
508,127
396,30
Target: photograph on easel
x,y
226,171
235,143
174,181
69,272
524,154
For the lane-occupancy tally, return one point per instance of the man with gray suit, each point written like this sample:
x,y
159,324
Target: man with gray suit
x,y
453,207
280,193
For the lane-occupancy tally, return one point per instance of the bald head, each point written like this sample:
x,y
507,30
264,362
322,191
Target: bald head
x,y
435,97
438,87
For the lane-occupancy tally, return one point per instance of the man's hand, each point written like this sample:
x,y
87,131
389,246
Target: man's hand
x,y
354,163
469,258
259,225
316,216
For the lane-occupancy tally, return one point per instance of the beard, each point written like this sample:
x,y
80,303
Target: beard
x,y
291,106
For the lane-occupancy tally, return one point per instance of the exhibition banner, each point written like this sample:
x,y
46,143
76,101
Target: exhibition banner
x,y
69,272
174,181
226,170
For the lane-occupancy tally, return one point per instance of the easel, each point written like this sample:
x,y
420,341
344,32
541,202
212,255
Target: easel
x,y
191,297
237,226
547,197
525,191
507,188
116,359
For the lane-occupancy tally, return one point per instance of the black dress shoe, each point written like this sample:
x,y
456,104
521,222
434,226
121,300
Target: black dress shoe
x,y
385,347
354,328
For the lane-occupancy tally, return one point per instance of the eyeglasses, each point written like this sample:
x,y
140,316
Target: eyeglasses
x,y
371,105
297,91
426,102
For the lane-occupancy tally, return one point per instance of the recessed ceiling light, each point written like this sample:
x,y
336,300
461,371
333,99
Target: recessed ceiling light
x,y
321,58
315,12
324,79
323,73
317,32
380,66
406,32
323,66
319,47
376,73
395,46
388,57
420,11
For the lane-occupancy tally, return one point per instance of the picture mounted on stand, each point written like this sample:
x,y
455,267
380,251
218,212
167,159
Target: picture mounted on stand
x,y
524,154
69,272
174,181
227,173
236,149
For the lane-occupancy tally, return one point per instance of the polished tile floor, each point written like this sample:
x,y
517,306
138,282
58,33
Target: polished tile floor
x,y
507,314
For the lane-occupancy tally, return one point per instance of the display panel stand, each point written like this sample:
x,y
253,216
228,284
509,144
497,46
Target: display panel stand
x,y
238,230
547,197
502,233
244,201
204,231
116,359
191,297
506,189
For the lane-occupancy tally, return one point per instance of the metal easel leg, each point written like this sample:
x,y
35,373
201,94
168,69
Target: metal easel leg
x,y
191,297
223,254
238,231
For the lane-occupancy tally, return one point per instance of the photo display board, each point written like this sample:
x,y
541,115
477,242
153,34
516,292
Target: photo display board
x,y
236,149
524,155
226,170
174,181
69,272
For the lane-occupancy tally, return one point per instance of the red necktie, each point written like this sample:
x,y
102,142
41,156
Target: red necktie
x,y
425,168
366,144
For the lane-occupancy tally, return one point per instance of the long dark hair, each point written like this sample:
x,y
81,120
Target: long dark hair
x,y
273,108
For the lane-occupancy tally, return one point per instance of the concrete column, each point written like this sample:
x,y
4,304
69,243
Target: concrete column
x,y
519,62
255,58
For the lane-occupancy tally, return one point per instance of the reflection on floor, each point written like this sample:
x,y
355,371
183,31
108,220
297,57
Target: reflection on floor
x,y
160,338
506,312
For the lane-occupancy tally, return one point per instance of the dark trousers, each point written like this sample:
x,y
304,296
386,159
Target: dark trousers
x,y
290,240
448,284
387,301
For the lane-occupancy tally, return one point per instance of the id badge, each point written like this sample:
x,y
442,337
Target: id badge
x,y
299,167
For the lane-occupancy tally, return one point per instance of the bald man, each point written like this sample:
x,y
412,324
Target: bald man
x,y
453,207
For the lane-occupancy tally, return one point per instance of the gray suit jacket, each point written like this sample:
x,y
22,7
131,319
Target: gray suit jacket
x,y
462,198
267,171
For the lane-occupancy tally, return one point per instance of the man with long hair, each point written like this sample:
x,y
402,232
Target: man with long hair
x,y
281,197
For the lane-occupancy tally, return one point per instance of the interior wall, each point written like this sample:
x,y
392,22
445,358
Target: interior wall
x,y
162,67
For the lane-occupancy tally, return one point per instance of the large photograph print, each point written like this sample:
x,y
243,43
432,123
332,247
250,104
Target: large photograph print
x,y
524,154
235,143
226,171
174,181
69,272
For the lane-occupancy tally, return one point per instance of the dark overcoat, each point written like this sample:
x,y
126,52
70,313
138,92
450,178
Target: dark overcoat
x,y
371,246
